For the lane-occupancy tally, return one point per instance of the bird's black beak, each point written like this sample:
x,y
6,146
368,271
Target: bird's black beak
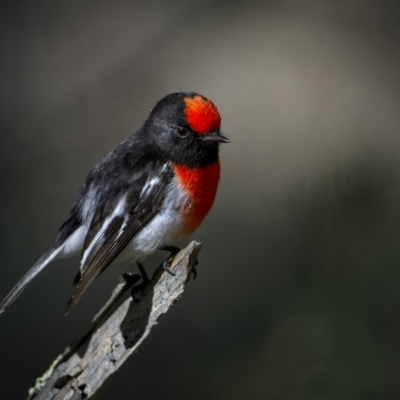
x,y
215,137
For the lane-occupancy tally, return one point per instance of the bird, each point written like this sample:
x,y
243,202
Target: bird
x,y
153,190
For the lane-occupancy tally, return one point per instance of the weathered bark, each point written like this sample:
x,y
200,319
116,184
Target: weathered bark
x,y
84,368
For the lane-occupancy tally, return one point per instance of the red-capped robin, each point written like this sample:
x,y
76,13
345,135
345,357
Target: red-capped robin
x,y
151,191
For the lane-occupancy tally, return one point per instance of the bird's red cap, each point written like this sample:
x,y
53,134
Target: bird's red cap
x,y
201,114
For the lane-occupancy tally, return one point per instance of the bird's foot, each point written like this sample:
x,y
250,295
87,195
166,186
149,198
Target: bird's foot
x,y
168,262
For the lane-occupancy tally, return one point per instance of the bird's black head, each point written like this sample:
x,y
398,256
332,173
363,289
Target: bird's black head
x,y
185,127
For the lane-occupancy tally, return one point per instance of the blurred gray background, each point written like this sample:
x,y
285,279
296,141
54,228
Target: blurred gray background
x,y
298,289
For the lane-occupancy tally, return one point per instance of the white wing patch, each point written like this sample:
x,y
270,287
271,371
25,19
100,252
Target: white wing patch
x,y
149,186
146,192
88,208
118,211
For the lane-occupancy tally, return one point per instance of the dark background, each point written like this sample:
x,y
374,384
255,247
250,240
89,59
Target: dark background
x,y
298,289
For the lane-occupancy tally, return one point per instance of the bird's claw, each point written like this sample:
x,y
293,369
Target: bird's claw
x,y
168,262
167,265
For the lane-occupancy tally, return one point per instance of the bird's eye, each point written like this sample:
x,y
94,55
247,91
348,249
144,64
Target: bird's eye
x,y
182,132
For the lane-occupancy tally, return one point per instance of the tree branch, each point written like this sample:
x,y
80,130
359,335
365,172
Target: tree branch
x,y
85,367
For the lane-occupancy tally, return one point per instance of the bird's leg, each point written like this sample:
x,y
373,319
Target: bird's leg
x,y
137,291
143,273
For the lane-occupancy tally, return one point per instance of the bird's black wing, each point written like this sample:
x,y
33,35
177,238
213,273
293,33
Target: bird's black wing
x,y
111,231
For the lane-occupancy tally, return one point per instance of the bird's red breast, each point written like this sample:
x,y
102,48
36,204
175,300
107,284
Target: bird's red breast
x,y
201,186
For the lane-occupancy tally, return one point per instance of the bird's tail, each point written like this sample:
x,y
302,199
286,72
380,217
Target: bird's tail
x,y
43,261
